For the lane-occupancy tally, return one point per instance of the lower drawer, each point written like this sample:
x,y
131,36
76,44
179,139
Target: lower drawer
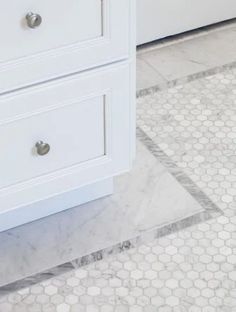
x,y
65,134
52,140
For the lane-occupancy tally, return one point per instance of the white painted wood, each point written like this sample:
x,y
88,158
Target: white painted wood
x,y
75,35
113,84
75,133
132,58
15,217
71,88
160,18
64,22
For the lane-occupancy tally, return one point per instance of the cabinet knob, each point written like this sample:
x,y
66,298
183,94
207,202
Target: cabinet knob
x,y
33,20
42,148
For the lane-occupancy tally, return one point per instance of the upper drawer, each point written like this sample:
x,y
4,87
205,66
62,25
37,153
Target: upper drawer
x,y
41,40
35,26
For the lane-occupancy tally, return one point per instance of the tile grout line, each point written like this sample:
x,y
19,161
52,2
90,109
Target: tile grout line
x,y
153,68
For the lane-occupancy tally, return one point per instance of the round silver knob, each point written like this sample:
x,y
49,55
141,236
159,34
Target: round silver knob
x,y
42,148
33,20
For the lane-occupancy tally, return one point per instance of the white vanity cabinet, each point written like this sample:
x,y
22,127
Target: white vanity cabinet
x,y
67,103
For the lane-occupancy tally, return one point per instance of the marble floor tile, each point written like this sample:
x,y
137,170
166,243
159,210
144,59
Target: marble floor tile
x,y
192,270
147,76
195,125
194,55
174,62
191,129
146,199
200,32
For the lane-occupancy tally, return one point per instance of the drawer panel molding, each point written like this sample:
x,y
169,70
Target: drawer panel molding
x,y
59,47
42,26
92,113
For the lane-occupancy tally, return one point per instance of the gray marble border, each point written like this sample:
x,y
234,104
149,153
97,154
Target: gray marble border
x,y
184,80
210,209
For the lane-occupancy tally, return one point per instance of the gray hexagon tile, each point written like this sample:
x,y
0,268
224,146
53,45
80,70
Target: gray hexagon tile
x,y
195,125
193,270
180,272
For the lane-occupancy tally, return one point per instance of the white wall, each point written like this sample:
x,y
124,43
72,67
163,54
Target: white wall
x,y
160,18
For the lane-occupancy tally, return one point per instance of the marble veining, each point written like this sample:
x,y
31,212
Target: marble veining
x,y
183,80
181,266
129,240
148,203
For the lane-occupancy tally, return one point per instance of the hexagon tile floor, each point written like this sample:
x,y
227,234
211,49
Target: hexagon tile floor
x,y
193,270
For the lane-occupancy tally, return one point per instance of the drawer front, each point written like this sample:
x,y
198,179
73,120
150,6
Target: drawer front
x,y
85,119
62,22
51,140
41,40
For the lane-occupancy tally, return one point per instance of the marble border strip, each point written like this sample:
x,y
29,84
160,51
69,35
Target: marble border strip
x,y
210,211
180,176
99,255
184,80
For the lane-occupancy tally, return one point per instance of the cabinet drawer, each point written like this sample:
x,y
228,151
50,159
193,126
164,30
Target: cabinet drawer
x,y
51,140
30,26
86,121
41,40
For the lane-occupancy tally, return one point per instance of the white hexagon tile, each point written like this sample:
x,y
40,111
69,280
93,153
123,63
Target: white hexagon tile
x,y
193,270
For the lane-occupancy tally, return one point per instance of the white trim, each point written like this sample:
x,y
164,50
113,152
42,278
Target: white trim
x,y
112,46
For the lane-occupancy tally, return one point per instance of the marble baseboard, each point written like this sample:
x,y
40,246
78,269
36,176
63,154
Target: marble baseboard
x,y
153,200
